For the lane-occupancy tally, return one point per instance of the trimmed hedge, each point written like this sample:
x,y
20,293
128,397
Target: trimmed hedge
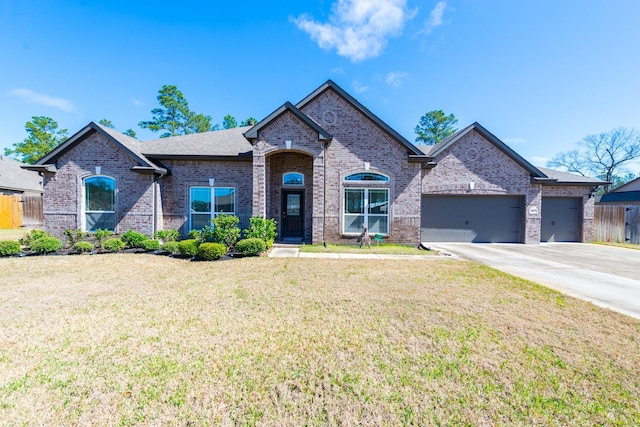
x,y
171,247
133,239
211,251
9,247
251,247
45,245
113,245
151,245
188,247
82,247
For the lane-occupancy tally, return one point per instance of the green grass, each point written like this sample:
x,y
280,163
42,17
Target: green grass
x,y
384,248
147,340
619,245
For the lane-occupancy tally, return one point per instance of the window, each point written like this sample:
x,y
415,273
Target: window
x,y
100,203
369,206
366,176
293,179
207,202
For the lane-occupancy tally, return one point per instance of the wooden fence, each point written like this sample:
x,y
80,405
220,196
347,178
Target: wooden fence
x,y
617,223
21,211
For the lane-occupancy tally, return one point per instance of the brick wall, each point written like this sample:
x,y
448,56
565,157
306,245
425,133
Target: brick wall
x,y
175,188
63,191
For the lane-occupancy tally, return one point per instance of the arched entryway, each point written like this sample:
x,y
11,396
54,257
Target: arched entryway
x,y
290,194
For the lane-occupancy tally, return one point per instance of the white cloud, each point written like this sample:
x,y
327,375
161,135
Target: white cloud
x,y
359,87
41,99
394,78
137,102
435,18
357,29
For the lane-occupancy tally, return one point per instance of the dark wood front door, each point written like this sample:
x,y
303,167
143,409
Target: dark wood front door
x,y
292,213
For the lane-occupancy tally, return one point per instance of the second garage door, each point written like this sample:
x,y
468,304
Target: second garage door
x,y
480,219
561,219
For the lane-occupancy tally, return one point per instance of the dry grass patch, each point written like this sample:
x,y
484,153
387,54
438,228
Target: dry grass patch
x,y
121,340
619,245
13,234
384,248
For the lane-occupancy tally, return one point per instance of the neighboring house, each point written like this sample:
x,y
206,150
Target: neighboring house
x,y
322,168
15,180
627,194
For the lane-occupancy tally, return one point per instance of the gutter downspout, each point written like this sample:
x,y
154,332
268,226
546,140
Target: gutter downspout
x,y
155,204
324,194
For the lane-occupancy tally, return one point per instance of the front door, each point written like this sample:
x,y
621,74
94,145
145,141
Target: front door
x,y
292,213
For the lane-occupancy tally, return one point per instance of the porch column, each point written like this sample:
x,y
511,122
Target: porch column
x,y
259,185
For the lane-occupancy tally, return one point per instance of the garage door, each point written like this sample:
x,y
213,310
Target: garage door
x,y
481,219
561,219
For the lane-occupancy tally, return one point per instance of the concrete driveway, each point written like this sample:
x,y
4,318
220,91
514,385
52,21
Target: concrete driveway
x,y
605,275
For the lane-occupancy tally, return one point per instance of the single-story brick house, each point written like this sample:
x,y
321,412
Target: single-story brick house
x,y
322,168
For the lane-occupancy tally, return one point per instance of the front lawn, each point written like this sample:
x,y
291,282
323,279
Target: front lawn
x,y
141,339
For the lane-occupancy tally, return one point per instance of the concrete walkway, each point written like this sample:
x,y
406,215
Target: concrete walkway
x,y
294,252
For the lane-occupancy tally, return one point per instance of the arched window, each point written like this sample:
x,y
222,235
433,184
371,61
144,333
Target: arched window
x,y
367,177
100,203
366,202
293,179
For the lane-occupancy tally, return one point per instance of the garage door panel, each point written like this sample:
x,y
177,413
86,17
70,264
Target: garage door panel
x,y
480,219
561,219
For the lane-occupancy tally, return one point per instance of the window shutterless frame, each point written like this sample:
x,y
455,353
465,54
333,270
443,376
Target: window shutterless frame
x,y
99,203
207,202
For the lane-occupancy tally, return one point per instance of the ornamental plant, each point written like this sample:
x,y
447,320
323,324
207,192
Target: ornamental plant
x,y
101,235
151,245
167,235
211,251
226,230
133,239
251,247
75,236
45,245
188,247
9,247
32,236
171,247
82,247
113,245
262,228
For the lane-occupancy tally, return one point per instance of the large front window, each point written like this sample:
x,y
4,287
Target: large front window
x,y
207,202
366,206
100,203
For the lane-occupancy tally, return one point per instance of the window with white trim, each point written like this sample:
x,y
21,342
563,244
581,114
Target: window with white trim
x,y
207,202
368,206
99,203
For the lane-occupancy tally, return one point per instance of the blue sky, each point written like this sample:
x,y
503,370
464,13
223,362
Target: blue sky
x,y
539,74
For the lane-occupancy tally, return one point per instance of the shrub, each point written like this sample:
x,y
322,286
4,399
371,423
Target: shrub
x,y
9,247
188,247
262,228
133,239
33,236
113,245
75,236
45,245
100,235
225,230
151,245
167,235
171,247
205,234
211,251
251,247
82,247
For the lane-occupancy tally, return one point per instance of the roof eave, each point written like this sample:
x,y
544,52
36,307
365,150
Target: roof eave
x,y
241,157
51,168
149,170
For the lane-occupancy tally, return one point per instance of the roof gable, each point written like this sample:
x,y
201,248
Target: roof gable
x,y
633,185
126,143
437,149
254,132
330,85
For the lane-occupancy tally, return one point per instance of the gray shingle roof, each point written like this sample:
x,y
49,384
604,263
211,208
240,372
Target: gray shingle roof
x,y
13,177
219,143
624,196
566,178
